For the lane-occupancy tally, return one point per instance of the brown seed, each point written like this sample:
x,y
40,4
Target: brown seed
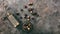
x,y
30,4
30,9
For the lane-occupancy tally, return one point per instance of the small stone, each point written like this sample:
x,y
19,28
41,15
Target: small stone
x,y
22,10
25,6
17,14
20,17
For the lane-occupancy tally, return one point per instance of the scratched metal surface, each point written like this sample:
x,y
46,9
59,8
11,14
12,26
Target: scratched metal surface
x,y
48,21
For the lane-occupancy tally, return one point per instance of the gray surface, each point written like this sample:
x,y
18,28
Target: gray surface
x,y
47,23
